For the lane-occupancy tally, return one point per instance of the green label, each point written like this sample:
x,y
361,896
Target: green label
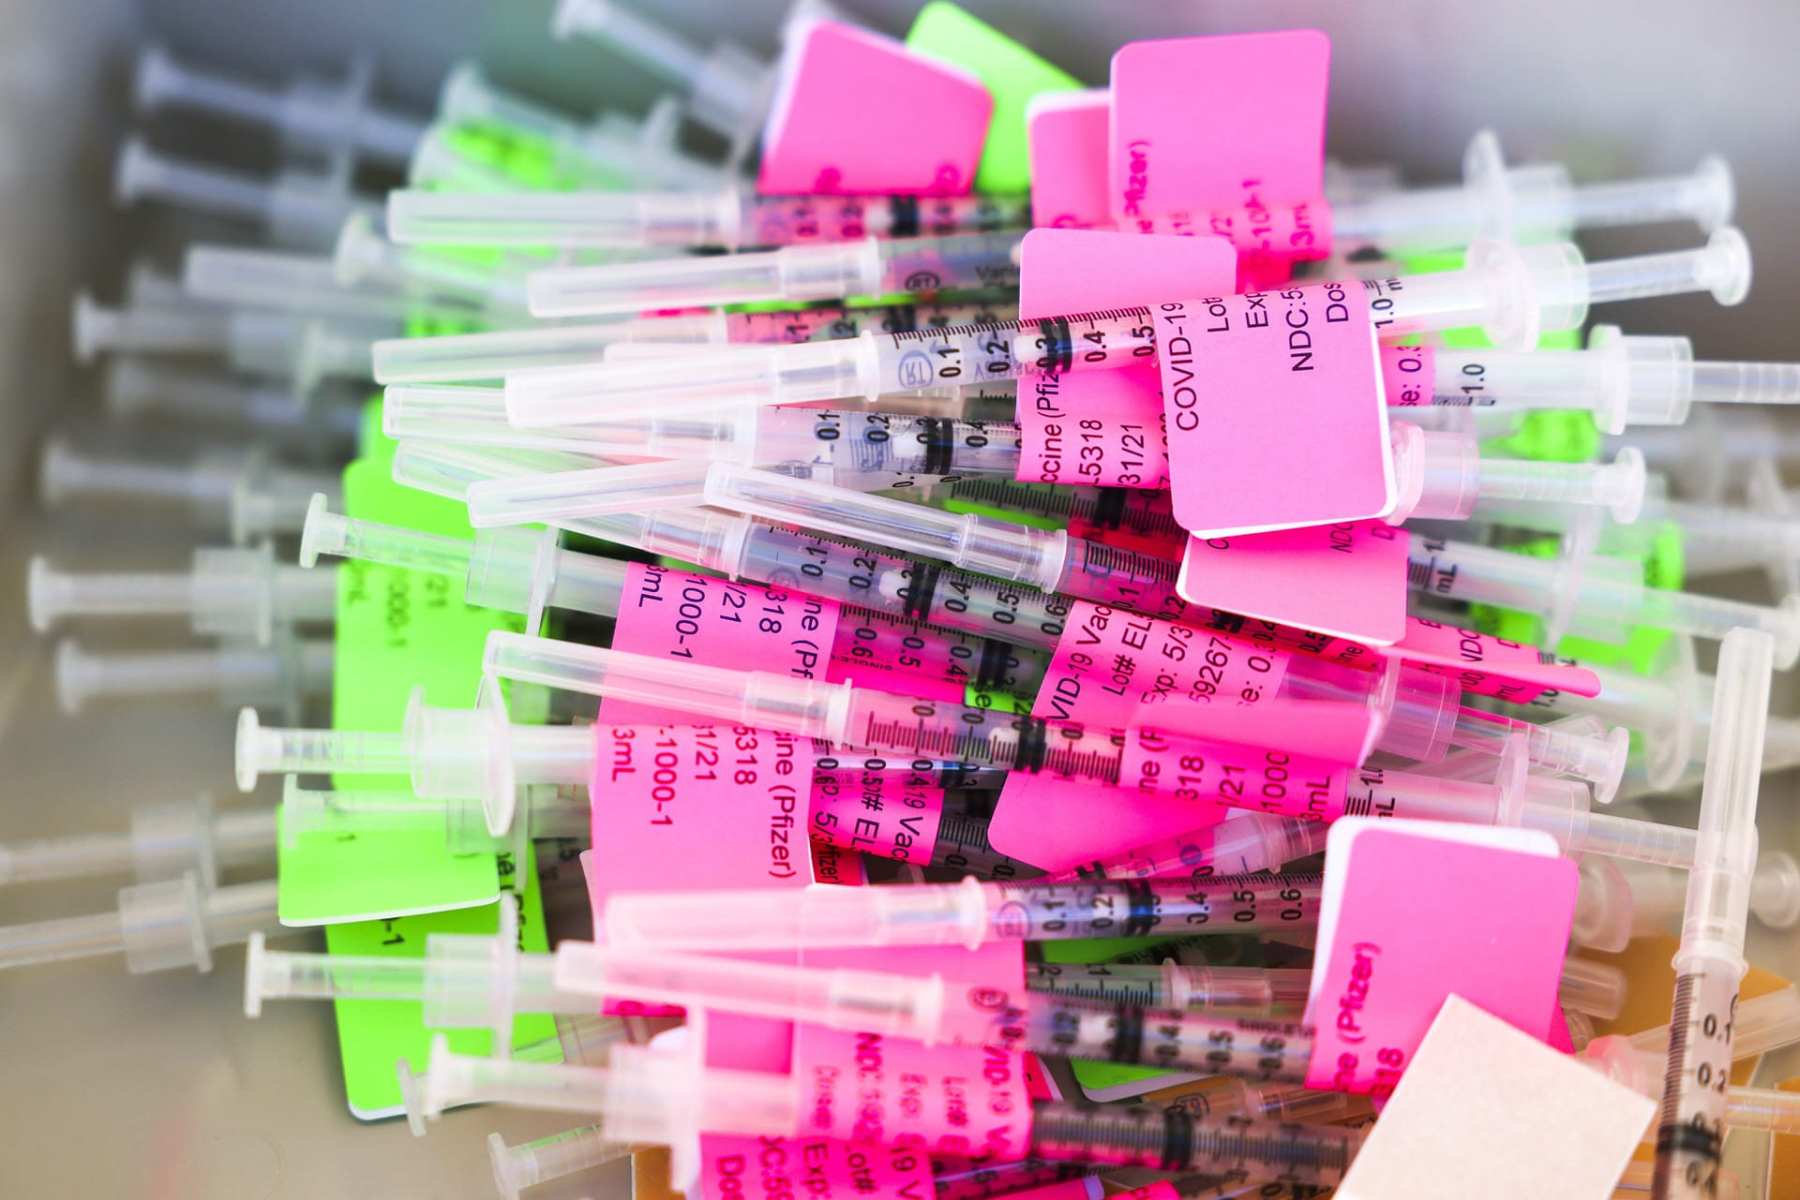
x,y
1642,650
396,630
373,1035
1012,75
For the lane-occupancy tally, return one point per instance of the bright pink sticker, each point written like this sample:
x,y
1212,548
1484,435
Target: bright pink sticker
x,y
966,1102
819,1168
1056,823
1216,122
1346,579
1275,411
1265,235
1162,1189
1408,375
874,649
668,613
1194,771
1488,665
836,865
703,807
1416,920
1100,428
1559,1038
890,814
1067,133
724,622
924,137
1104,427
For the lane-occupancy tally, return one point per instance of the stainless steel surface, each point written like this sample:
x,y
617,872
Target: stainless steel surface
x,y
158,1086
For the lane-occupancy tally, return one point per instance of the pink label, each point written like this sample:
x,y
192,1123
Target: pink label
x,y
1104,427
819,1168
1211,121
1275,412
1346,579
968,1102
1407,375
1038,1084
724,622
1121,444
703,807
1416,920
836,865
1489,666
876,650
1067,133
794,220
924,137
1050,821
1267,234
719,622
890,814
1162,1189
1192,771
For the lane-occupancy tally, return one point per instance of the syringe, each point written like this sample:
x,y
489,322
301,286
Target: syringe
x,y
831,441
494,284
302,209
1015,614
798,273
240,595
727,88
309,284
645,1096
307,112
1241,844
1272,993
518,571
243,491
1270,781
453,754
1084,511
279,676
299,348
1512,292
729,217
545,812
1621,900
615,151
1440,475
165,840
147,387
1624,380
1520,204
527,1164
492,355
1710,962
157,926
1592,595
1046,559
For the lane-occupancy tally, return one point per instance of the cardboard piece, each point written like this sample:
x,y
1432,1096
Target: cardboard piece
x,y
1502,1115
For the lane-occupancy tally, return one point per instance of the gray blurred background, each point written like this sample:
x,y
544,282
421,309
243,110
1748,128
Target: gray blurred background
x,y
157,1086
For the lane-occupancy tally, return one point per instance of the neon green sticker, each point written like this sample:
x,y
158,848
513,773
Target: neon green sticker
x,y
1006,514
1554,435
373,1035
526,159
442,324
396,629
1474,339
1012,75
1662,561
974,697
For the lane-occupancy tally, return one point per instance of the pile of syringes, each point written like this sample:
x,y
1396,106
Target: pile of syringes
x,y
772,634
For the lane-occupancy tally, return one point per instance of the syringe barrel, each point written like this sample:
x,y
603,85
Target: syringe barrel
x,y
1147,1137
761,699
263,750
966,540
1746,382
1720,883
40,860
60,939
470,357
1633,839
793,273
531,1163
1721,267
326,532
